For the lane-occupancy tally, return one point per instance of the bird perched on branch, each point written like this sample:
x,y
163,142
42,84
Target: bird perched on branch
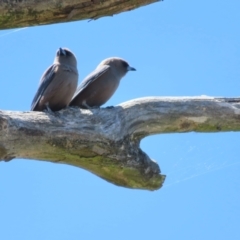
x,y
98,87
58,83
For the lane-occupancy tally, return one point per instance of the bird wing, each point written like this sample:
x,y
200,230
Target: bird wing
x,y
91,78
46,79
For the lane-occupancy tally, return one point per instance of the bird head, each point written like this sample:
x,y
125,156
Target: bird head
x,y
118,65
64,55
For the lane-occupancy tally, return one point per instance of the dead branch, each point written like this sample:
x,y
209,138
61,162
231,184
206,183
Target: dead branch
x,y
14,14
106,141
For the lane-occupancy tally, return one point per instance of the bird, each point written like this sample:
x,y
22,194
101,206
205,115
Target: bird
x,y
57,84
98,87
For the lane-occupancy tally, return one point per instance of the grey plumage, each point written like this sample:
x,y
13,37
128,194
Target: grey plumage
x,y
98,87
58,83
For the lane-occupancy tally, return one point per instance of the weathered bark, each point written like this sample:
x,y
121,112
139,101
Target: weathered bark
x,y
106,141
25,13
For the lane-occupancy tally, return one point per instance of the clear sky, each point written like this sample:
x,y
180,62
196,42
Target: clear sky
x,y
179,48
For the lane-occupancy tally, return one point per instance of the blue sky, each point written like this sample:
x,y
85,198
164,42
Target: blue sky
x,y
179,48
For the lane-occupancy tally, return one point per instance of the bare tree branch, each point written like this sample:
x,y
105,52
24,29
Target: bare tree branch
x,y
106,141
25,13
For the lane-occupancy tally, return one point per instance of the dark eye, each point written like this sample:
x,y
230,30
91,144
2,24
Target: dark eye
x,y
68,53
58,53
125,64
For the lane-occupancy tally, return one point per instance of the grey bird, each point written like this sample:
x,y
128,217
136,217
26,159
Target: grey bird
x,y
98,87
58,83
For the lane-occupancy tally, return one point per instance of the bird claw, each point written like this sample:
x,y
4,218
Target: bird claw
x,y
49,110
85,105
109,107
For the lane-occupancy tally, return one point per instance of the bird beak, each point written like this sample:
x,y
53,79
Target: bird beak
x,y
62,51
131,68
